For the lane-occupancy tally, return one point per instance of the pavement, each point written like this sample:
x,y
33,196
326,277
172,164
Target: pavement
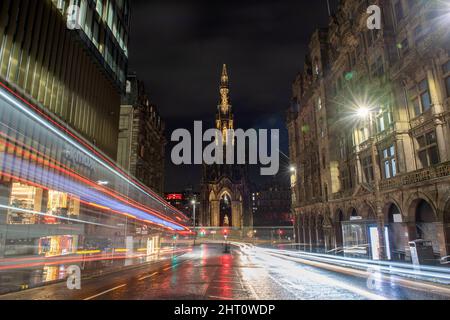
x,y
207,273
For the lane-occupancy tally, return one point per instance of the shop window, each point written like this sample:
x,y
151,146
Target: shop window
x,y
25,198
428,149
389,163
367,168
420,98
61,205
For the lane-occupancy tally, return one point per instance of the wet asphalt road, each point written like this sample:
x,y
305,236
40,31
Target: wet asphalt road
x,y
206,273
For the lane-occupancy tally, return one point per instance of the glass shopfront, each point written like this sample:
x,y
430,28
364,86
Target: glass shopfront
x,y
62,203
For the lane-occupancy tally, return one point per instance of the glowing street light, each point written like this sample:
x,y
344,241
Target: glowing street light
x,y
194,204
363,112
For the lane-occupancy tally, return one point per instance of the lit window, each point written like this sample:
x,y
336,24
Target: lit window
x,y
390,163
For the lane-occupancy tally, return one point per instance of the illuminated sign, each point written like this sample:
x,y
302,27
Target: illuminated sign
x,y
174,196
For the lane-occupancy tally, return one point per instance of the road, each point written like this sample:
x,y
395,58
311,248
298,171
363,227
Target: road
x,y
206,273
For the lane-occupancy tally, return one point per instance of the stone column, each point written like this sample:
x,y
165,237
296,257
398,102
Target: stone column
x,y
214,213
438,108
236,214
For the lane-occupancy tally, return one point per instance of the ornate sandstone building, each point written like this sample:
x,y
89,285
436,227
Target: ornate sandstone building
x,y
369,133
225,194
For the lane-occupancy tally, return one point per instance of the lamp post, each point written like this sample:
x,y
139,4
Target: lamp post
x,y
194,203
367,114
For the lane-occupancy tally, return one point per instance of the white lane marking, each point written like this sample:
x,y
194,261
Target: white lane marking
x,y
104,292
149,276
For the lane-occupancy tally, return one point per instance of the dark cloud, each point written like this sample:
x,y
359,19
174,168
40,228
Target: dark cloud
x,y
178,49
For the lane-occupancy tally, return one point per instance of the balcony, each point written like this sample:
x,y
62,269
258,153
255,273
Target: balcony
x,y
440,171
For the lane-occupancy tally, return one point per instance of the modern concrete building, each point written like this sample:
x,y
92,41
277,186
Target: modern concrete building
x,y
369,128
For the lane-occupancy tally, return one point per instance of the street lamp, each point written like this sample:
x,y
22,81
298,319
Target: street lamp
x,y
366,113
194,203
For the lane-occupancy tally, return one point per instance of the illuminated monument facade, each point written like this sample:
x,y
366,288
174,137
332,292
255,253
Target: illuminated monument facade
x,y
225,194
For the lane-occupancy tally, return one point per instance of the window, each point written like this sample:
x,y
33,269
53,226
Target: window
x,y
378,68
418,34
446,72
319,104
367,168
428,149
398,8
384,120
404,47
363,134
99,7
420,98
389,163
342,148
346,179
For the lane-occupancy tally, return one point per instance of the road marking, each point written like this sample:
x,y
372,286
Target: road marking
x,y
220,298
104,292
149,276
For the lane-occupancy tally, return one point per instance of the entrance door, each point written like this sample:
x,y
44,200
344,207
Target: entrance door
x,y
225,211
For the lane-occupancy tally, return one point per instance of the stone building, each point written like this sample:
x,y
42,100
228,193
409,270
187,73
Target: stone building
x,y
142,142
373,94
225,189
272,203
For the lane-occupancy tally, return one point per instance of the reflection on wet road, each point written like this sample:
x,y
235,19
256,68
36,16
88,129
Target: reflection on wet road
x,y
208,273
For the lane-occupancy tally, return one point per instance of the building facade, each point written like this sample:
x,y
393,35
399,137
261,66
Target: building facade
x,y
61,194
141,137
368,128
225,190
272,204
183,202
77,74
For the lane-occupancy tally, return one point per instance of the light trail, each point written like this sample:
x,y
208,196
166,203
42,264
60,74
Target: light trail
x,y
427,272
428,279
77,143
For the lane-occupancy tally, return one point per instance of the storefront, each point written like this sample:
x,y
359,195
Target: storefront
x,y
57,245
29,199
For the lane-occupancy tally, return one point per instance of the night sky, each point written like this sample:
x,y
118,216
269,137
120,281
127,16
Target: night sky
x,y
178,47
